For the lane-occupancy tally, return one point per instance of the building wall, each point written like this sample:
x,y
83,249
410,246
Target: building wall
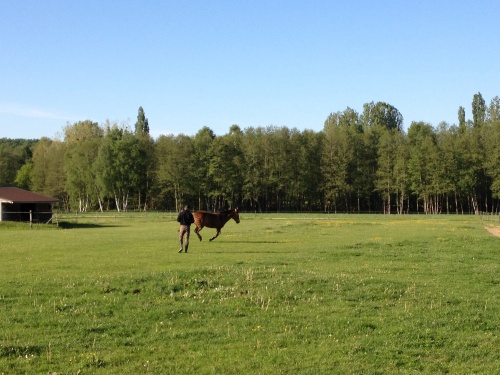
x,y
41,212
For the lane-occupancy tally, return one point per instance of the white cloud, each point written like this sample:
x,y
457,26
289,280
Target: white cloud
x,y
19,110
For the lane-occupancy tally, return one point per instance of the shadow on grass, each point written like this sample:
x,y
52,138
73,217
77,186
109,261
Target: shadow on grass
x,y
233,251
67,225
248,241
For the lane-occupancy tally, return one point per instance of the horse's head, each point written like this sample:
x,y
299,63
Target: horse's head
x,y
235,215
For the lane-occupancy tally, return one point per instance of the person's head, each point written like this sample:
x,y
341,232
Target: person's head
x,y
186,207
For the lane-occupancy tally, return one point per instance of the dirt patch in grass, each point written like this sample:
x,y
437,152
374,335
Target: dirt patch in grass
x,y
493,230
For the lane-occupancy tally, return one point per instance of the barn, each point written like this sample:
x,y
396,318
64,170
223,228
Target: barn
x,y
17,204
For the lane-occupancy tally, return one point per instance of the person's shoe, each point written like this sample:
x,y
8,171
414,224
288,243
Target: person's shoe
x,y
180,250
186,250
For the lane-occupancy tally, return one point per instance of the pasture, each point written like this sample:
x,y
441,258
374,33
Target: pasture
x,y
290,294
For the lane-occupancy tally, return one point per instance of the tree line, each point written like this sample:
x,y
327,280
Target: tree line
x,y
359,162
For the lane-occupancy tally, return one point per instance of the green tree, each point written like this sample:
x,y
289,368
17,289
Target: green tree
x,y
142,123
461,119
147,170
202,143
305,180
401,177
494,110
337,162
385,182
23,176
492,162
145,160
478,110
9,164
225,168
119,165
253,171
391,175
48,176
471,158
382,114
14,153
447,168
82,140
422,161
174,171
282,165
259,155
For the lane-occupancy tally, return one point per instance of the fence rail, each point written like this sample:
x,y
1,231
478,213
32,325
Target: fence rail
x,y
490,216
28,216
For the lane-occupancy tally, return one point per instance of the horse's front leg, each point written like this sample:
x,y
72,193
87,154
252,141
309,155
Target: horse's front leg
x,y
216,235
197,230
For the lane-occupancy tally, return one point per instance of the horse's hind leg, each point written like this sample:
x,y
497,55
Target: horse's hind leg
x,y
196,230
216,235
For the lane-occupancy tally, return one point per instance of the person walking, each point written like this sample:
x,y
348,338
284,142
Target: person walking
x,y
185,218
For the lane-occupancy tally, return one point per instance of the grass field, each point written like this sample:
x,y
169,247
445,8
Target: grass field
x,y
275,294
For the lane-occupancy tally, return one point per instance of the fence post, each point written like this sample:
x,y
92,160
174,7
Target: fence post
x,y
31,219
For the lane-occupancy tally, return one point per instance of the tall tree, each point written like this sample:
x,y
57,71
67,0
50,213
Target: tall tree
x,y
446,170
382,114
174,156
23,176
461,119
253,171
478,110
401,177
48,176
385,182
119,165
422,161
337,161
305,181
82,141
145,155
492,162
142,123
225,168
494,110
13,154
391,175
269,167
202,143
282,166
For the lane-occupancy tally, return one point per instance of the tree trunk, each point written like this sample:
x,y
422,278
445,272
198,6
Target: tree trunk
x,y
117,202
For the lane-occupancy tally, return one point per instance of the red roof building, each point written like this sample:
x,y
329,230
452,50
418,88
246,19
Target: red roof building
x,y
18,205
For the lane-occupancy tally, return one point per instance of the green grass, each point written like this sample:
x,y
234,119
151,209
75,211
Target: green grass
x,y
291,294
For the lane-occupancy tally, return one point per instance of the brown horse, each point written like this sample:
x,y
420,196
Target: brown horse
x,y
211,220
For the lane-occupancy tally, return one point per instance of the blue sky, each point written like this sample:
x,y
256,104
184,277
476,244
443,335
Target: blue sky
x,y
191,64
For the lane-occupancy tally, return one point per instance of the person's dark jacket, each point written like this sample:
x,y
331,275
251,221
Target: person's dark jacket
x,y
185,218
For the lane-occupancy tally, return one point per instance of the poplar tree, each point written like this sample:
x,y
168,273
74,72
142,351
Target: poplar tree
x,y
478,110
142,123
145,152
461,119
